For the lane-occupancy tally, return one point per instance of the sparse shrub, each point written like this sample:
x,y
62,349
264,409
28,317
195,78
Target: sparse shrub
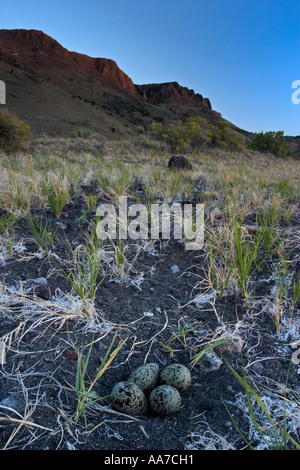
x,y
187,136
197,132
14,133
219,136
271,142
81,133
222,137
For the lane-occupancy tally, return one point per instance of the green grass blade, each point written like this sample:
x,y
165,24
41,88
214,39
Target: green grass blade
x,y
208,348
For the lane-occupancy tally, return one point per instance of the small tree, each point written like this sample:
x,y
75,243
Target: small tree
x,y
186,136
14,133
272,142
224,138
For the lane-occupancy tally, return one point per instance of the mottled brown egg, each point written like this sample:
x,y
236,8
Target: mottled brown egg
x,y
128,398
176,375
145,377
164,400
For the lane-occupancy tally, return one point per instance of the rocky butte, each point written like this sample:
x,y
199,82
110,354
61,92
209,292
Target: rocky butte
x,y
172,93
22,47
25,48
56,90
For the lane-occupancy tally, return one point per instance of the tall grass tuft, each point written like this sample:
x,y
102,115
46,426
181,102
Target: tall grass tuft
x,y
84,277
6,227
58,193
273,433
41,230
86,395
296,292
267,224
246,259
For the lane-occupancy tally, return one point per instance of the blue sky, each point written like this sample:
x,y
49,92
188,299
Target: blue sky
x,y
242,54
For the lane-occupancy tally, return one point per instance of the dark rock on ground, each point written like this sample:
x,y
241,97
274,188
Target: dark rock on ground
x,y
179,163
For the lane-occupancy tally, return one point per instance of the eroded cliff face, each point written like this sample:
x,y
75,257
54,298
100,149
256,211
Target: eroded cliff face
x,y
30,48
105,70
57,91
35,51
172,93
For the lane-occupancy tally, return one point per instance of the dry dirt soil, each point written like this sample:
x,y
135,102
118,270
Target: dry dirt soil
x,y
166,313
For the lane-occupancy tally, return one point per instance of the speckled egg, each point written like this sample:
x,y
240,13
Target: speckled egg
x,y
128,398
176,375
164,400
145,377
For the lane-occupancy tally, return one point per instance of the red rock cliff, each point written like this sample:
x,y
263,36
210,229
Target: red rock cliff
x,y
25,46
172,93
36,51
